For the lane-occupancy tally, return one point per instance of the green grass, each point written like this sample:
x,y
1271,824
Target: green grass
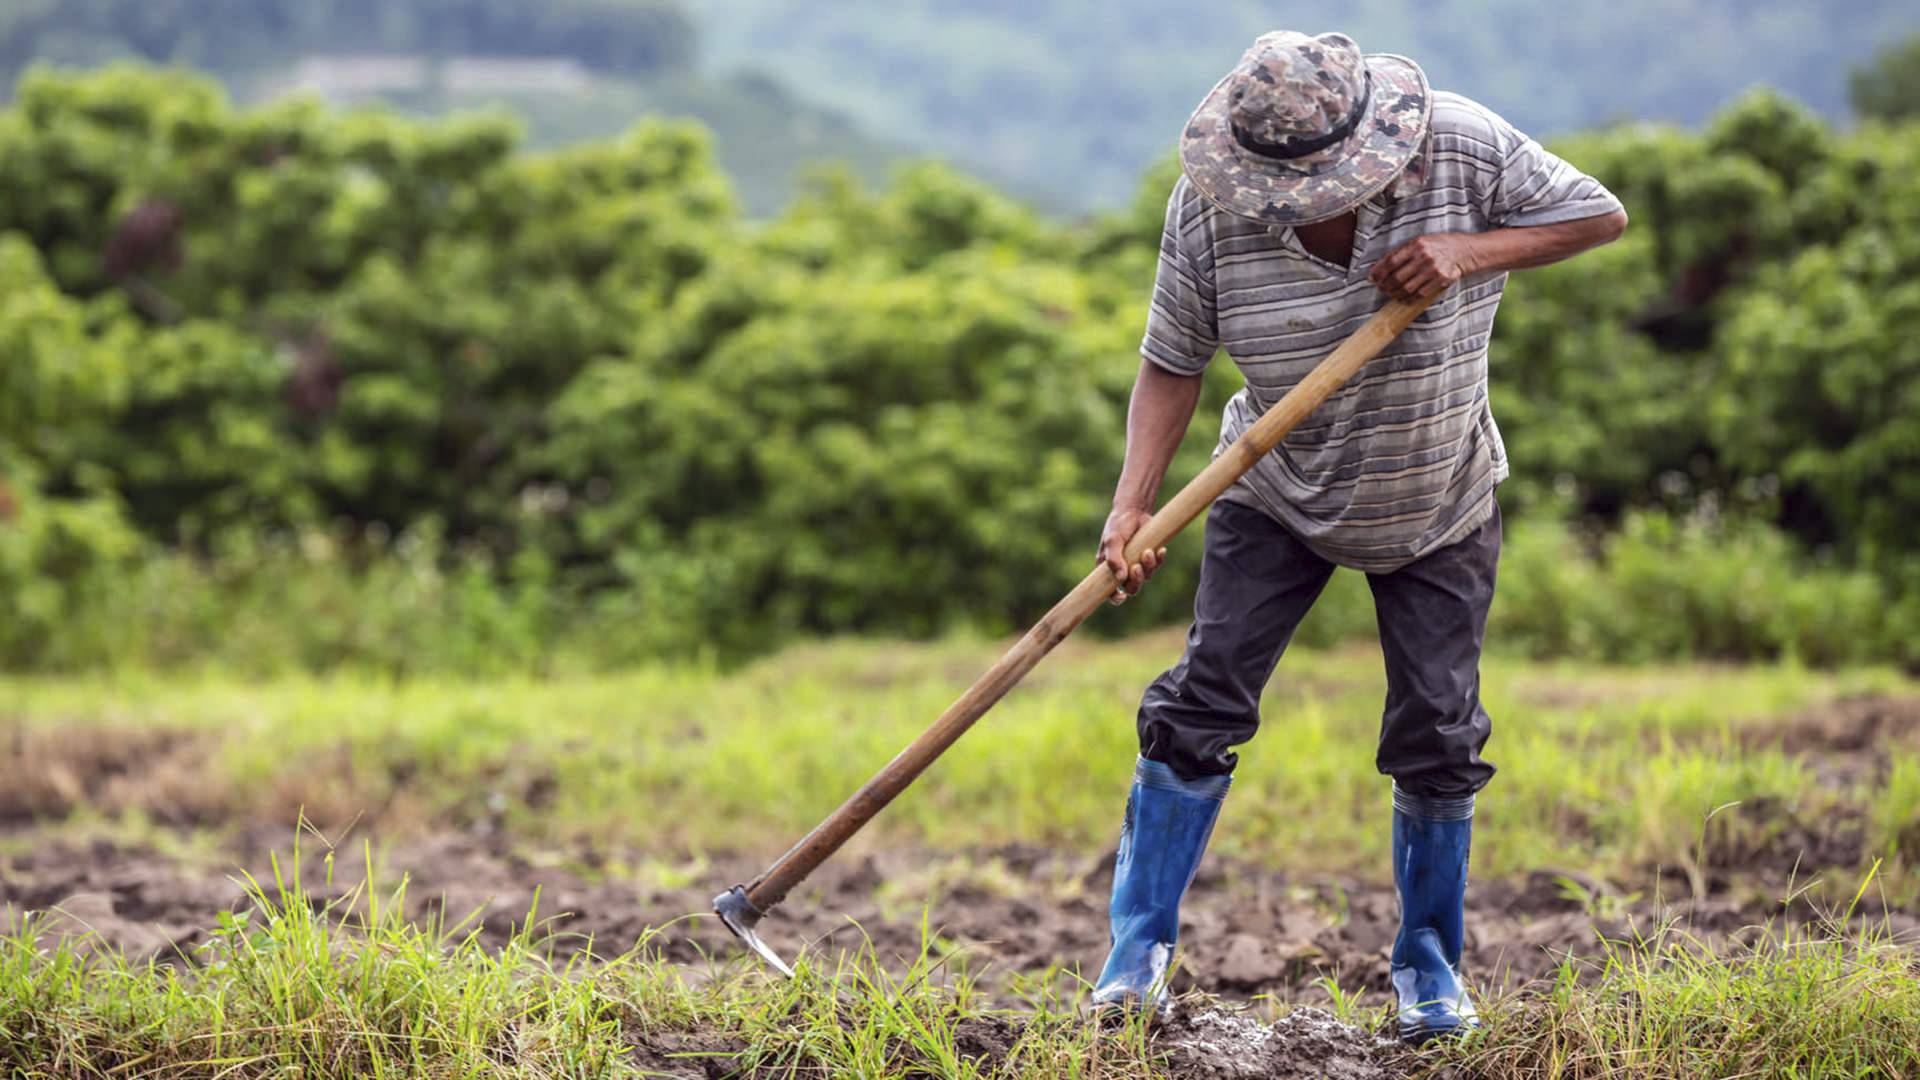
x,y
293,988
350,990
1791,1004
1608,770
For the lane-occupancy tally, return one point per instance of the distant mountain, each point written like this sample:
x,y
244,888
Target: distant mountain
x,y
766,138
573,69
1065,102
629,37
1069,100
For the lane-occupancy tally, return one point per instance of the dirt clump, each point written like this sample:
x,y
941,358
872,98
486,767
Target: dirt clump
x,y
1845,741
1864,723
986,1040
686,1055
131,900
1216,1043
47,773
1202,1040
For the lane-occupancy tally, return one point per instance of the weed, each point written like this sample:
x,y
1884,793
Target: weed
x,y
1611,772
1823,1002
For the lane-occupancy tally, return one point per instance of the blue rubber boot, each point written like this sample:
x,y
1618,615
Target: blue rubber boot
x,y
1431,837
1166,828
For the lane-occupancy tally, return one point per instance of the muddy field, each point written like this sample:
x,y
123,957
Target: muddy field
x,y
1197,1041
1248,932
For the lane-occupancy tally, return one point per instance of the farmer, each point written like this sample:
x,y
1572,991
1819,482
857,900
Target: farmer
x,y
1318,182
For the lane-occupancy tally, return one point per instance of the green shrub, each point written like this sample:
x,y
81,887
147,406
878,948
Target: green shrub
x,y
58,557
89,593
588,393
1662,589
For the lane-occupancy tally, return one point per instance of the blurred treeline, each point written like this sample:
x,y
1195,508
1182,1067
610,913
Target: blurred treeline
x,y
634,57
1063,101
291,388
1068,99
234,37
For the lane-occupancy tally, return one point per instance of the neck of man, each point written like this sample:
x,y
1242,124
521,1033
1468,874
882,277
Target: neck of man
x,y
1330,240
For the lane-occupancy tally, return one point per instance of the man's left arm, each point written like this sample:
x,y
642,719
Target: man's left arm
x,y
1538,209
1427,266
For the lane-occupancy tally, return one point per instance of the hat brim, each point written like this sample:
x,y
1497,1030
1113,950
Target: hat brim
x,y
1321,185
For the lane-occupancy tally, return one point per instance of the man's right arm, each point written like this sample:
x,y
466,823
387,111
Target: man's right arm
x,y
1182,336
1157,417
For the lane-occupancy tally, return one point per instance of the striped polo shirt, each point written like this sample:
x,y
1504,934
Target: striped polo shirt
x,y
1404,459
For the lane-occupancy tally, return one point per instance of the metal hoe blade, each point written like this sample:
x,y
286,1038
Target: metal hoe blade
x,y
740,916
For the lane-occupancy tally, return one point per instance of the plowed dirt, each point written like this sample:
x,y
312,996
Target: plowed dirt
x,y
1247,931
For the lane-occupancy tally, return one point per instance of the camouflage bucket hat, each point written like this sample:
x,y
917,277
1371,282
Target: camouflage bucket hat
x,y
1306,128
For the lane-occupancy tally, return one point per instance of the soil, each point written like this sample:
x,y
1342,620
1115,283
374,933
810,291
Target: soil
x,y
1306,1044
1209,1042
1247,932
151,905
1849,741
49,772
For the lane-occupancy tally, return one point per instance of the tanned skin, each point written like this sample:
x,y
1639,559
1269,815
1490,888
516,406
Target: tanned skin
x,y
1424,267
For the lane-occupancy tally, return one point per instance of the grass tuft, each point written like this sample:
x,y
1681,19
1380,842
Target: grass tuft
x,y
299,986
1605,769
1813,1002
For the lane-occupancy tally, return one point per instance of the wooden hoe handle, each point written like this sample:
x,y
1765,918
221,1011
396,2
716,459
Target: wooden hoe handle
x,y
1256,442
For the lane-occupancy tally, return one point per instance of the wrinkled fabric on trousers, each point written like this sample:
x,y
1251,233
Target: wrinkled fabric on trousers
x,y
1257,582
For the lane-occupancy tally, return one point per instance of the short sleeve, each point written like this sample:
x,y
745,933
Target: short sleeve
x,y
1182,332
1534,186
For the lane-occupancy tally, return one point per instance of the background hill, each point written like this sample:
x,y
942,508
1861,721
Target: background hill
x,y
1069,101
570,70
1064,103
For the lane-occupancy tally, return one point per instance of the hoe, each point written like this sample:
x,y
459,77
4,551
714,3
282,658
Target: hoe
x,y
742,907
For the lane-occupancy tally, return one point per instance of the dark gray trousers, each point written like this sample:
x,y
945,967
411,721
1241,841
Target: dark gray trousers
x,y
1257,582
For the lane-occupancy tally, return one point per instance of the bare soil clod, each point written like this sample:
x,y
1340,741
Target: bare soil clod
x,y
1306,1043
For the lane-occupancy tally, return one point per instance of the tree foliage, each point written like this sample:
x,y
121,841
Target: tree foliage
x,y
243,36
900,411
1889,87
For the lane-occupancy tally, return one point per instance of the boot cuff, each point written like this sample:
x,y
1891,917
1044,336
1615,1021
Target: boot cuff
x,y
1154,774
1433,807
